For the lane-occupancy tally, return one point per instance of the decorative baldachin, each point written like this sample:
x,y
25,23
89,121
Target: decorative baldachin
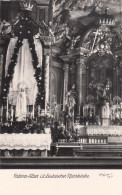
x,y
24,29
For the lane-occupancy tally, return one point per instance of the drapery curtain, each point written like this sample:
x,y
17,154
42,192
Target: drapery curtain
x,y
23,87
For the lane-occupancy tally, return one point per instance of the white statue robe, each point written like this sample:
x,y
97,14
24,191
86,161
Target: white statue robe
x,y
21,106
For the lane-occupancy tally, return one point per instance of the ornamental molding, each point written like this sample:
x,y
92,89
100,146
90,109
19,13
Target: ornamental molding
x,y
78,52
81,51
48,40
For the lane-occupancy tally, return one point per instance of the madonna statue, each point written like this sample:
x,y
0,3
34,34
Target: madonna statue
x,y
21,105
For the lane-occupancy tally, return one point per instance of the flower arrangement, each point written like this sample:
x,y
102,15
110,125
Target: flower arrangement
x,y
44,121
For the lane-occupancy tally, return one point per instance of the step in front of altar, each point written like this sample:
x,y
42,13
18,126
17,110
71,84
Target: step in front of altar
x,y
93,150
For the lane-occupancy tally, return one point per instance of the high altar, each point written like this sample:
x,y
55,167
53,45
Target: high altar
x,y
61,80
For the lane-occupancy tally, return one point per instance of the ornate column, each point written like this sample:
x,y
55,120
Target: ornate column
x,y
47,40
80,83
66,82
46,77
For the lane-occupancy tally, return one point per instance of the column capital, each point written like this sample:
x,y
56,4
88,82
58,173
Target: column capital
x,y
47,51
48,40
66,67
80,62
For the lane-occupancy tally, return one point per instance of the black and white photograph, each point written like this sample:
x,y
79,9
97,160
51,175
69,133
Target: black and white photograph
x,y
61,84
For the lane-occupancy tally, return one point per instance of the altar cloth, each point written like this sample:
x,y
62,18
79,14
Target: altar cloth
x,y
25,141
104,130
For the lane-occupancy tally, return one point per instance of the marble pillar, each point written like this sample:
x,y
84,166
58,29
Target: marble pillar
x,y
80,84
66,82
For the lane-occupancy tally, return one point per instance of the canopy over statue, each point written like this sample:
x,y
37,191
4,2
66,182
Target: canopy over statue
x,y
23,87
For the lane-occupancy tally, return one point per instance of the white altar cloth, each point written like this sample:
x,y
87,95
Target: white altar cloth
x,y
25,141
104,130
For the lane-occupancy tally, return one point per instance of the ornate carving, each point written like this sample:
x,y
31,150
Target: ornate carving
x,y
26,6
101,40
46,29
48,40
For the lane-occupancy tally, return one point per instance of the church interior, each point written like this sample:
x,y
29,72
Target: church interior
x,y
61,81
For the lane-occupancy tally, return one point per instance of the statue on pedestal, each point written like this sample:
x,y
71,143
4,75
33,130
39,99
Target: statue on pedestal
x,y
106,110
69,108
106,114
21,104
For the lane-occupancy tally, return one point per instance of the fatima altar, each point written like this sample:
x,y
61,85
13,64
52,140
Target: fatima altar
x,y
54,98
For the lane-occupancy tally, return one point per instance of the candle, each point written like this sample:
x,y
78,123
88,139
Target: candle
x,y
7,111
97,97
45,107
110,96
83,111
33,111
94,111
39,110
79,110
121,110
1,113
12,113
